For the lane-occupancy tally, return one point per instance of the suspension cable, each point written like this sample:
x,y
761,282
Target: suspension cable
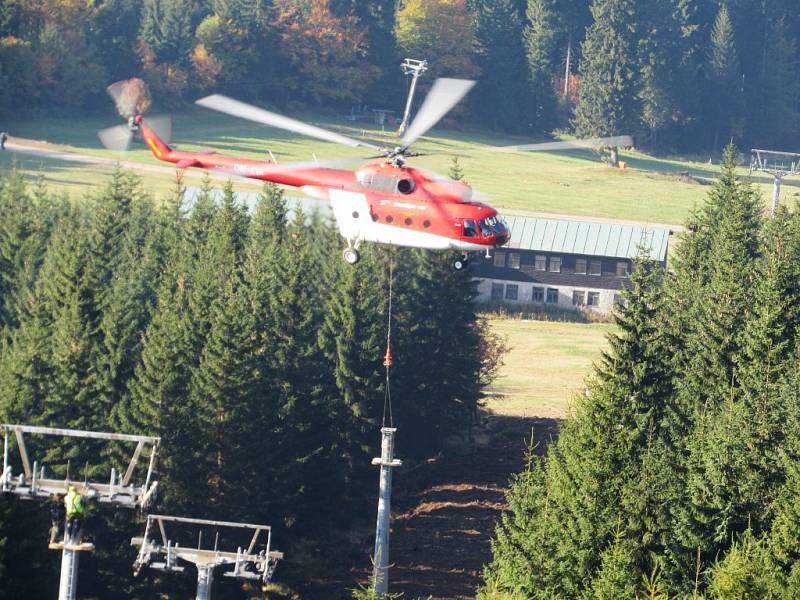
x,y
387,359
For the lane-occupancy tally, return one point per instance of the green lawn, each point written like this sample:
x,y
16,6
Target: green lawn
x,y
574,182
546,365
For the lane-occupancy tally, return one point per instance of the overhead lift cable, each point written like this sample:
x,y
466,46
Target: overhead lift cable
x,y
387,359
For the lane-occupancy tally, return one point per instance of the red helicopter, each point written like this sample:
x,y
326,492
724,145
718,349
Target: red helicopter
x,y
386,202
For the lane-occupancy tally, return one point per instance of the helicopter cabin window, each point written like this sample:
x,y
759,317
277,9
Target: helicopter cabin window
x,y
552,295
555,264
499,259
622,269
377,182
578,298
513,261
469,228
512,291
580,266
497,291
538,295
540,263
595,267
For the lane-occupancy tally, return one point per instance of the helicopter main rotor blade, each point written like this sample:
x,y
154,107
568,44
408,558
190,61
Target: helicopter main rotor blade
x,y
265,117
444,95
591,143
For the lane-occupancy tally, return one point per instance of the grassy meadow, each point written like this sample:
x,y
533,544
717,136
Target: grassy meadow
x,y
546,365
567,183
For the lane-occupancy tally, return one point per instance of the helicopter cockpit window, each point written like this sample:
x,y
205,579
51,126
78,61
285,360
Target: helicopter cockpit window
x,y
469,228
490,226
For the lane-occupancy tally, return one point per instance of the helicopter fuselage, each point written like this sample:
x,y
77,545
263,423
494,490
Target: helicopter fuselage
x,y
379,202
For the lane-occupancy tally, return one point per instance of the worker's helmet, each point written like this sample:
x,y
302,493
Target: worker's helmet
x,y
72,488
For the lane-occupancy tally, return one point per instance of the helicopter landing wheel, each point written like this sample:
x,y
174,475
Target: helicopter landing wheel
x,y
460,263
351,256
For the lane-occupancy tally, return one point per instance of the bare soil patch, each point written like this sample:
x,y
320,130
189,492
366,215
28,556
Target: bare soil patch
x,y
442,528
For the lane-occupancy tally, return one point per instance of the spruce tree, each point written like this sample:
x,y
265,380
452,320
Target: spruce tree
x,y
541,36
607,102
724,79
502,95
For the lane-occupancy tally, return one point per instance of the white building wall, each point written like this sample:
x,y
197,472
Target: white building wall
x,y
525,295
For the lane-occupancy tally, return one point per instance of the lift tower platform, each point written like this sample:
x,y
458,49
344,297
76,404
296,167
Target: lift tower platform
x,y
34,483
248,562
779,165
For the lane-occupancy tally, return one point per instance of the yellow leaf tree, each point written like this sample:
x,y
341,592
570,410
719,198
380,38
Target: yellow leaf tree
x,y
441,32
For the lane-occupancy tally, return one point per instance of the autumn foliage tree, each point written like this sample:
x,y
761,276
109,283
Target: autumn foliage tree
x,y
441,31
326,54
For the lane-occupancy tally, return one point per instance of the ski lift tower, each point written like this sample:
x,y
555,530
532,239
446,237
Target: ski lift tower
x,y
34,483
247,562
415,68
777,164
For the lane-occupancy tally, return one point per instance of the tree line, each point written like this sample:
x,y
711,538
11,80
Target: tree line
x,y
243,340
682,75
679,475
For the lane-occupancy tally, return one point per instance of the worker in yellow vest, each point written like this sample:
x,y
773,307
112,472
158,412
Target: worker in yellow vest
x,y
73,506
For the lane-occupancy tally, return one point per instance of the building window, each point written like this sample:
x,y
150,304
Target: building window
x,y
618,300
580,266
593,299
499,259
497,291
552,296
540,263
622,268
555,264
595,267
578,298
512,290
513,260
538,295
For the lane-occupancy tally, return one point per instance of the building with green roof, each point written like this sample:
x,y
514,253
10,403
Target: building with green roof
x,y
566,264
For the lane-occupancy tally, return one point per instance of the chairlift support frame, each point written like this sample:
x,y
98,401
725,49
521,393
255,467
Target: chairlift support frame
x,y
32,484
415,68
247,563
779,165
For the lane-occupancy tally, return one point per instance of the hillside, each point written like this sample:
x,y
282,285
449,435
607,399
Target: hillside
x,y
576,183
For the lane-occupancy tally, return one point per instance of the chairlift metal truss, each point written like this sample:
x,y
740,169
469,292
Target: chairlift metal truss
x,y
120,490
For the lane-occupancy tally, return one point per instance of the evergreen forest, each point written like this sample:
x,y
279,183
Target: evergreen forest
x,y
679,474
680,75
243,341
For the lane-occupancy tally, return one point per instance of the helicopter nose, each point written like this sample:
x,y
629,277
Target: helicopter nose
x,y
503,234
